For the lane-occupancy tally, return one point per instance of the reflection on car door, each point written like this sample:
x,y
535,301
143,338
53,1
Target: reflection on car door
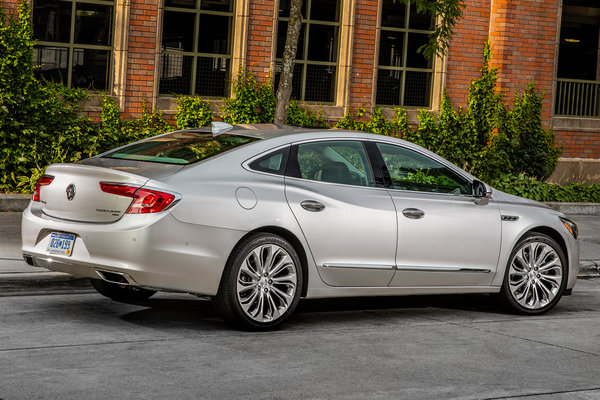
x,y
349,224
444,237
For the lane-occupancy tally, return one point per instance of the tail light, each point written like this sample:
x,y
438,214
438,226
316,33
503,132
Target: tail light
x,y
43,181
145,201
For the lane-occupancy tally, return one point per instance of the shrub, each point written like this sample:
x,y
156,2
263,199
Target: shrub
x,y
39,123
303,116
376,123
116,131
253,101
526,186
192,112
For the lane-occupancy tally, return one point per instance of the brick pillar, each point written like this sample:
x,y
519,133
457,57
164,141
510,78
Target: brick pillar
x,y
362,84
465,53
141,62
523,40
261,27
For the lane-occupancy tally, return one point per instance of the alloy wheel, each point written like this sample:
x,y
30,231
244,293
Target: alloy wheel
x,y
266,283
535,275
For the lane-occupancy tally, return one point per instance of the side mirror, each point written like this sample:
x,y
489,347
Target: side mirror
x,y
481,192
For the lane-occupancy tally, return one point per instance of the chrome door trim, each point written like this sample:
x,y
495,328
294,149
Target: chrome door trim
x,y
443,269
364,266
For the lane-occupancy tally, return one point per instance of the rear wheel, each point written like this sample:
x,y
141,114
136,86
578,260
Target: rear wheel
x,y
536,275
122,293
261,283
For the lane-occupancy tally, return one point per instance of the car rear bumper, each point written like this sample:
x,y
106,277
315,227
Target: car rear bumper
x,y
147,250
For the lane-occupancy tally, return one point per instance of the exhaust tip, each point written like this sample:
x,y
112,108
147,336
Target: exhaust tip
x,y
115,277
28,259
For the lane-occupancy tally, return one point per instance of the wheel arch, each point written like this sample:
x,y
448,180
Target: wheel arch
x,y
546,230
294,241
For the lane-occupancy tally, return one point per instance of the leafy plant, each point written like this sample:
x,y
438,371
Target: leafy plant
x,y
303,116
526,186
192,112
252,101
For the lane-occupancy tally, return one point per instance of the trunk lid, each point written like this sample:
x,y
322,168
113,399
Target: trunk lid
x,y
75,193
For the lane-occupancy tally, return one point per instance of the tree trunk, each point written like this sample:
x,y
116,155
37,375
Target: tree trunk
x,y
284,91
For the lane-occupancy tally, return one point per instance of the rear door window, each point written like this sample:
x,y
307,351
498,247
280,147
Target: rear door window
x,y
336,161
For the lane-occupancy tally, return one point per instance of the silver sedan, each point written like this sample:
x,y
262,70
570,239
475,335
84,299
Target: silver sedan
x,y
256,217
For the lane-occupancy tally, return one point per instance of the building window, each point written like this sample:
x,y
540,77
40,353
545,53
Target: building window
x,y
578,76
74,42
196,47
404,76
316,59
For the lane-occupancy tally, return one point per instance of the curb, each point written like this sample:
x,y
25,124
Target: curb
x,y
589,269
576,208
14,202
32,283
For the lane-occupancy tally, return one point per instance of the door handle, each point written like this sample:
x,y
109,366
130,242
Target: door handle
x,y
413,213
311,205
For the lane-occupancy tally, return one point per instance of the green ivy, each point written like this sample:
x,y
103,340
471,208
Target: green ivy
x,y
192,112
526,186
303,116
252,102
40,123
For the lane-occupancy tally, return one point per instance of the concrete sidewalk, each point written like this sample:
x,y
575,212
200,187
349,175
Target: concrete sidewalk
x,y
16,277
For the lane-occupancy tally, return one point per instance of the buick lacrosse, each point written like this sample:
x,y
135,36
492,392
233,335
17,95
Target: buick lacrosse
x,y
256,217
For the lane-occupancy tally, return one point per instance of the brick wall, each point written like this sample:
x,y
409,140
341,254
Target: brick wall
x,y
141,64
523,40
583,144
260,36
465,53
10,5
363,53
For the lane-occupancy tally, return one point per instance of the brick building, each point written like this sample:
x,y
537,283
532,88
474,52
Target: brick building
x,y
352,53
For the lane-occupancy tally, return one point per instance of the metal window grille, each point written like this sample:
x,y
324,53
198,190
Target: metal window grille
x,y
74,42
196,55
315,72
404,76
577,98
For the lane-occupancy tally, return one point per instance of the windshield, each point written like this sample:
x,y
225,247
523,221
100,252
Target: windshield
x,y
180,147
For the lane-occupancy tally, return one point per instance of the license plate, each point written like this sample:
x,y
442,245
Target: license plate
x,y
61,244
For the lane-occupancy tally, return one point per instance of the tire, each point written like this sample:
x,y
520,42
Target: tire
x,y
534,285
261,284
121,293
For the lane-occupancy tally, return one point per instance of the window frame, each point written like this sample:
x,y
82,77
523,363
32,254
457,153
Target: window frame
x,y
381,167
406,31
293,168
198,12
304,62
71,45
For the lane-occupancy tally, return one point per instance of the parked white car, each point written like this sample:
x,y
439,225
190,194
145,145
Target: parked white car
x,y
257,216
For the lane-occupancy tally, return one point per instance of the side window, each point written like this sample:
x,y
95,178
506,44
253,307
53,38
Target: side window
x,y
410,170
273,163
340,161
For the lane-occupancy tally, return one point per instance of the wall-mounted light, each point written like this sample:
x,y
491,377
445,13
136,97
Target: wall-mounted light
x,y
572,40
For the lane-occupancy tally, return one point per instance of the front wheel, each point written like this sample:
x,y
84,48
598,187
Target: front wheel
x,y
261,283
536,275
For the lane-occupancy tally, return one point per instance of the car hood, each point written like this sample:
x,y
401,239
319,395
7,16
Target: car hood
x,y
502,197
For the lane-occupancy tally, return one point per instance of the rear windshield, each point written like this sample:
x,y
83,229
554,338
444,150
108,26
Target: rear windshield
x,y
180,147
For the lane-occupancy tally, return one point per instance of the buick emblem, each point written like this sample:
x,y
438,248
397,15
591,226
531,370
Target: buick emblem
x,y
70,192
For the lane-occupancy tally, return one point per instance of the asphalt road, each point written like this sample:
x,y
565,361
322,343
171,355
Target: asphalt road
x,y
84,346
